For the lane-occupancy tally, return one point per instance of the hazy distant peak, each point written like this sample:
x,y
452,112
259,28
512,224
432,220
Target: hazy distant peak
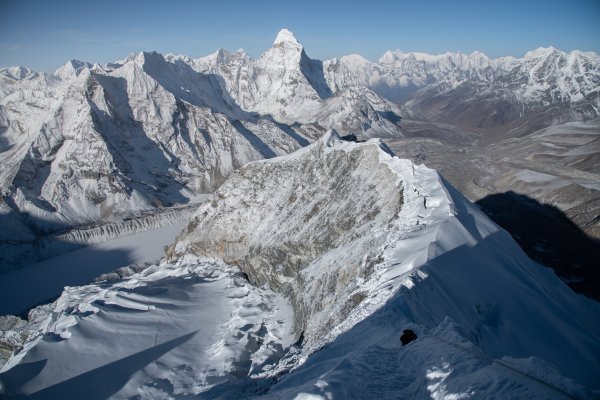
x,y
388,57
479,54
17,73
540,52
355,58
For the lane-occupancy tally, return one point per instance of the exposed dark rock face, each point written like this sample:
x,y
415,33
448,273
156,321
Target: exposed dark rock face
x,y
320,207
408,335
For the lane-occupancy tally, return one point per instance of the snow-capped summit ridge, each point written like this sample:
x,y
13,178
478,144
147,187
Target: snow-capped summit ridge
x,y
72,69
540,52
286,37
18,73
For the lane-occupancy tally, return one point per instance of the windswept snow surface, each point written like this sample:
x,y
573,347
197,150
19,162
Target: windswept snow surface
x,y
172,330
490,322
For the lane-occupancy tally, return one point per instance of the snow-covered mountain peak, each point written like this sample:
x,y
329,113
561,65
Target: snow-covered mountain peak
x,y
144,57
479,57
224,56
540,52
286,50
286,37
387,58
72,69
17,73
140,58
356,59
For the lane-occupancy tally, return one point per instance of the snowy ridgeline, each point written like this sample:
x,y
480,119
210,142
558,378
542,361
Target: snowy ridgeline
x,y
94,142
15,254
91,143
343,270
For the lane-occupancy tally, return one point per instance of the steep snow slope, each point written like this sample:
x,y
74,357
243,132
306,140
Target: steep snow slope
x,y
362,245
178,328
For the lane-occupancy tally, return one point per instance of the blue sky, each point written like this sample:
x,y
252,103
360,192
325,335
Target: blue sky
x,y
44,34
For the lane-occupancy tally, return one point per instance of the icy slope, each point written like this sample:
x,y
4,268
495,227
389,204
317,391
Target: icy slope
x,y
361,245
341,227
172,329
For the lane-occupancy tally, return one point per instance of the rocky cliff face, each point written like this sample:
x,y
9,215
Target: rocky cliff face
x,y
347,231
320,208
95,143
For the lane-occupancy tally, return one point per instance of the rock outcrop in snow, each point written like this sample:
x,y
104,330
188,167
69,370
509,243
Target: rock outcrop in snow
x,y
318,210
341,228
363,245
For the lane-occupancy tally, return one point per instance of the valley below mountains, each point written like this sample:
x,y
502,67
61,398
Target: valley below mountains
x,y
328,206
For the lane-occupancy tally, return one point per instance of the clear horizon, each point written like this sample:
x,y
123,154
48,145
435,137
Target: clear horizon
x,y
44,35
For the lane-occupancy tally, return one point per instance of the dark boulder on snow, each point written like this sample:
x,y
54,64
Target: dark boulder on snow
x,y
408,335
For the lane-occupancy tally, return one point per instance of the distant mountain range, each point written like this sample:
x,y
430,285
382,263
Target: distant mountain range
x,y
315,252
476,91
96,143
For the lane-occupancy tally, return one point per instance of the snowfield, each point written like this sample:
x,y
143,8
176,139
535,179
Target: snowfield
x,y
178,328
26,287
237,311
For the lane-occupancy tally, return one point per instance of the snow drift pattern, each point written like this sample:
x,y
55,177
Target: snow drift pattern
x,y
403,250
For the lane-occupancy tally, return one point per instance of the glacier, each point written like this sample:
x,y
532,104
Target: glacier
x,y
387,245
94,144
305,252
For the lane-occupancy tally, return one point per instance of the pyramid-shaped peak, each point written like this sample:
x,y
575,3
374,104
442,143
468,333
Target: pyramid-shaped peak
x,y
286,37
72,69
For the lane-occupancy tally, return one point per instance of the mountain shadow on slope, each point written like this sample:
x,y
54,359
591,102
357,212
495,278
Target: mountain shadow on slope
x,y
313,72
549,237
26,281
369,362
99,383
140,160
